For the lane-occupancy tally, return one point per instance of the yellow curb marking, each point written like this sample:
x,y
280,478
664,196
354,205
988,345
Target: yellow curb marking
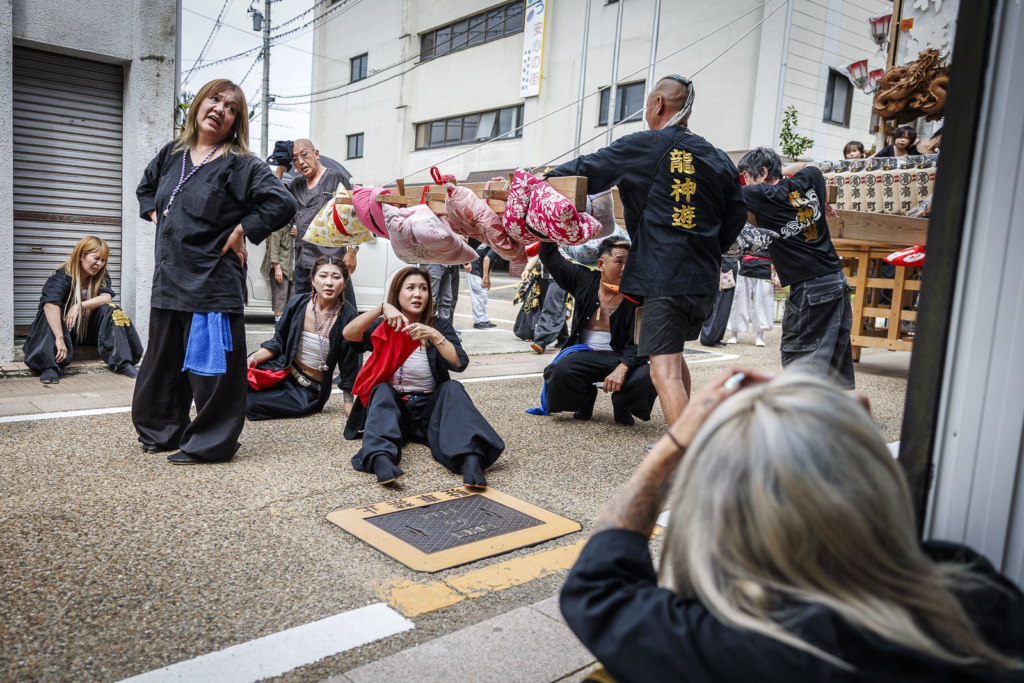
x,y
516,572
412,599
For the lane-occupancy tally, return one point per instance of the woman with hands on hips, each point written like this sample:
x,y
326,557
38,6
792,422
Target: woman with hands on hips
x,y
791,554
206,194
405,392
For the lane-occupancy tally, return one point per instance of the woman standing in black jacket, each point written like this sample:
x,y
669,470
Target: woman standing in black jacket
x,y
791,555
308,343
206,194
404,395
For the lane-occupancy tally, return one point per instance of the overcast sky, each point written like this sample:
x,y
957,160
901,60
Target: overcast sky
x,y
290,60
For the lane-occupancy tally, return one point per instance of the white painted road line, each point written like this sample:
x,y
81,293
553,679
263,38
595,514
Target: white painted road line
x,y
282,652
335,390
66,413
510,322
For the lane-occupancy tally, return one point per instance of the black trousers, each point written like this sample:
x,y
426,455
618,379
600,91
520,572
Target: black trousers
x,y
164,393
109,330
816,328
570,384
446,420
715,326
287,398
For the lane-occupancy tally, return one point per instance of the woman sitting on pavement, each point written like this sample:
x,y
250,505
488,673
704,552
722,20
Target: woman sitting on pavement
x,y
75,309
404,391
791,554
308,343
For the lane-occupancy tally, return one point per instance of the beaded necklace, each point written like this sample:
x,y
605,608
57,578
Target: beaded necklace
x,y
327,326
184,178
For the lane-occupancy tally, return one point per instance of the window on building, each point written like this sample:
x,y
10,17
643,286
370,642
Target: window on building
x,y
470,128
475,30
629,100
358,68
355,146
838,99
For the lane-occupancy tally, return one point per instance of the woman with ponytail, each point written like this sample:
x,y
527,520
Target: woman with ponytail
x,y
75,309
299,360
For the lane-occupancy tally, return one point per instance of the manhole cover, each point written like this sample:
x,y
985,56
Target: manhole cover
x,y
451,523
444,529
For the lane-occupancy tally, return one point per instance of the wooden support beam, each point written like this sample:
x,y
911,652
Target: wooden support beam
x,y
876,227
573,188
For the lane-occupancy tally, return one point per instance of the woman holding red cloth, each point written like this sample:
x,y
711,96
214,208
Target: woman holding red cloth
x,y
405,392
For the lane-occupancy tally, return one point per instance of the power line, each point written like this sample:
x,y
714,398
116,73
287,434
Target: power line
x,y
322,19
251,67
350,82
641,109
586,97
209,39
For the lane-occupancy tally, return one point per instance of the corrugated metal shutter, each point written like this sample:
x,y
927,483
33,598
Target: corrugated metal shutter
x,y
67,166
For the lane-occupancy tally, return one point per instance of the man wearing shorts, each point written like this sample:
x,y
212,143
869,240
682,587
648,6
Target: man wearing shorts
x,y
683,206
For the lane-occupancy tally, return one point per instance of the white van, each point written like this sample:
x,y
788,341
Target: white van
x,y
376,267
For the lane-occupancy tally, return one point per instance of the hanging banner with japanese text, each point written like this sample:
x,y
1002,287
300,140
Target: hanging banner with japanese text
x,y
533,48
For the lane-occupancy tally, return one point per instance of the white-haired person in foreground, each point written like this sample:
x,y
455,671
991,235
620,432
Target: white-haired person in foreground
x,y
790,555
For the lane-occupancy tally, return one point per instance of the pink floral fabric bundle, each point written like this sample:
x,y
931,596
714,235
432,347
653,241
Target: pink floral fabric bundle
x,y
470,215
418,236
551,214
516,206
368,211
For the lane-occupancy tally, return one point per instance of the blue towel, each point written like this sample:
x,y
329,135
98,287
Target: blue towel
x,y
209,340
543,410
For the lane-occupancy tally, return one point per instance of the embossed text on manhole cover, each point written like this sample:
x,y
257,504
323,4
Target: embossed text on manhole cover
x,y
444,529
450,523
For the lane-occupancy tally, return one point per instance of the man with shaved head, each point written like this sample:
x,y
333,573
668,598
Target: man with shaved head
x,y
308,190
683,207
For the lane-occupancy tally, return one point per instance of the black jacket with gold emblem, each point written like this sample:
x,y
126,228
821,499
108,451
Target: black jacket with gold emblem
x,y
683,206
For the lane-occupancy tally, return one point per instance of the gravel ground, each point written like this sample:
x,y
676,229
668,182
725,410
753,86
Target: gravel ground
x,y
115,563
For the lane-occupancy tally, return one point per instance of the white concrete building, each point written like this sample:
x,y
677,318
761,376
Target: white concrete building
x,y
86,99
418,107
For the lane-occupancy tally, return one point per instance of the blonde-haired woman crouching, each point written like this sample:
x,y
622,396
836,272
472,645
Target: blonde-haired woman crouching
x,y
790,555
76,309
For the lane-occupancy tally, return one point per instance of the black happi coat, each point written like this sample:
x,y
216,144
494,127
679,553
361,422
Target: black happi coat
x,y
675,251
585,286
190,274
108,328
288,335
440,368
643,633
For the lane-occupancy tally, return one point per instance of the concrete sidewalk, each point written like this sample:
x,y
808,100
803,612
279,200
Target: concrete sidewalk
x,y
490,650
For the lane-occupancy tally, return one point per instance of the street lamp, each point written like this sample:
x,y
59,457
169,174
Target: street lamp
x,y
879,30
858,73
874,78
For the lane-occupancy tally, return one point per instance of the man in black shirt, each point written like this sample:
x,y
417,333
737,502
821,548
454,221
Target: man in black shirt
x,y
818,319
308,190
603,319
683,208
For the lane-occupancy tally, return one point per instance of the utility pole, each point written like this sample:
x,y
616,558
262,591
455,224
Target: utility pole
x,y
583,80
613,88
265,100
654,53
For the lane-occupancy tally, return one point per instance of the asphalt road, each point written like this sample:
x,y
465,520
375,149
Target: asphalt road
x,y
115,563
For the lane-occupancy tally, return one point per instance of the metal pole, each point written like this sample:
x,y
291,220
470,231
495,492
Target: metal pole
x,y
583,79
654,53
177,65
615,72
265,109
782,73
